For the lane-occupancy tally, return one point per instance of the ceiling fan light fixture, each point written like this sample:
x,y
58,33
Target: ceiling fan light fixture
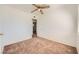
x,y
40,7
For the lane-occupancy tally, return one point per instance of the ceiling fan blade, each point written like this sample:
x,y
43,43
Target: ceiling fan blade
x,y
47,7
35,5
34,10
41,6
41,12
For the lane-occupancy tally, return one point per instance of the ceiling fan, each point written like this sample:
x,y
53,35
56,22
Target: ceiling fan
x,y
40,7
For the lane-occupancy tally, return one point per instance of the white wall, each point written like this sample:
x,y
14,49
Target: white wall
x,y
59,24
78,42
1,31
17,24
78,32
1,44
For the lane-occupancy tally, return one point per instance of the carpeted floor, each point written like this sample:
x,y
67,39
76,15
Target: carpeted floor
x,y
38,45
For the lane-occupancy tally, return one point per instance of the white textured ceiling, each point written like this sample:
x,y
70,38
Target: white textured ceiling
x,y
23,7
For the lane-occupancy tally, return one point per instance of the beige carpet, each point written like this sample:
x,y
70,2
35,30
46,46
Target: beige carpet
x,y
39,45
